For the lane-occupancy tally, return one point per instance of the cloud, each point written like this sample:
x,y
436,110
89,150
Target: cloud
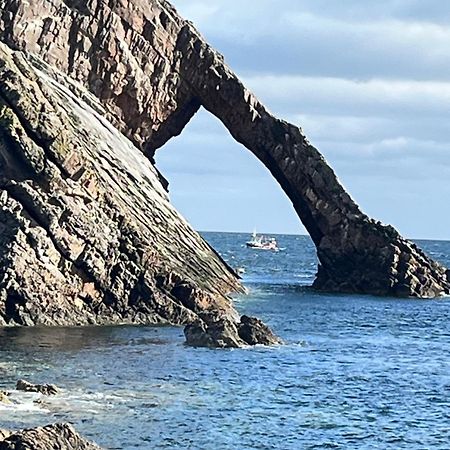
x,y
369,82
356,39
294,94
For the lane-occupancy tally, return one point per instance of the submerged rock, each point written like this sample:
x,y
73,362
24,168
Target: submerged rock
x,y
46,389
59,436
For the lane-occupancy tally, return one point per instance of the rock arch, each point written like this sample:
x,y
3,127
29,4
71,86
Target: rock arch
x,y
152,71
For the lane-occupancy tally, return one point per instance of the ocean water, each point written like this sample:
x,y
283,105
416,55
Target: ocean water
x,y
356,372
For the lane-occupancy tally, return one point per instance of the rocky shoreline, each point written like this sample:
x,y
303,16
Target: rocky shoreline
x,y
75,251
60,435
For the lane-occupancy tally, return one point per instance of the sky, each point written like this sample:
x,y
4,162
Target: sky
x,y
369,83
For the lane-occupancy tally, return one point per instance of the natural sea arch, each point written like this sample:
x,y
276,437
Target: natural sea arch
x,y
355,253
152,71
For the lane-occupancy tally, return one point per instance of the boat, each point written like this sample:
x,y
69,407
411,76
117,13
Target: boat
x,y
262,243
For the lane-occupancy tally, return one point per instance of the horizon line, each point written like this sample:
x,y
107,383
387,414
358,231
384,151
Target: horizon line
x,y
303,234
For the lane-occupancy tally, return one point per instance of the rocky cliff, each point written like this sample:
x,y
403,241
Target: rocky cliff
x,y
84,85
88,233
86,222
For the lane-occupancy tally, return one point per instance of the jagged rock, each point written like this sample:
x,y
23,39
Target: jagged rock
x,y
4,434
46,389
88,233
151,72
220,333
60,436
253,331
225,333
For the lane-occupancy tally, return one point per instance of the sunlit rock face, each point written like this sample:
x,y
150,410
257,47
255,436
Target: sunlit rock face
x,y
146,71
88,235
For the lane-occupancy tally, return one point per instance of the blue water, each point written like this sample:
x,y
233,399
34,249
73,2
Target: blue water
x,y
356,372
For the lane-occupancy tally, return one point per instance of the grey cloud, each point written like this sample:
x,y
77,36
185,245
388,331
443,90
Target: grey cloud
x,y
288,95
356,39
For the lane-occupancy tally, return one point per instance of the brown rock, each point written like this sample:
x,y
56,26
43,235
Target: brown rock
x,y
69,257
221,332
60,436
253,332
218,333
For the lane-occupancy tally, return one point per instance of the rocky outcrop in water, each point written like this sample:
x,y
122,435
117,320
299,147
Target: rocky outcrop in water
x,y
151,71
225,333
4,398
88,233
45,389
58,436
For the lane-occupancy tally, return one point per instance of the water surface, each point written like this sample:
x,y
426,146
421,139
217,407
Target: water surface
x,y
357,372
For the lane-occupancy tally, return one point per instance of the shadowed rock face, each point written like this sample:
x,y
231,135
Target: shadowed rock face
x,y
151,71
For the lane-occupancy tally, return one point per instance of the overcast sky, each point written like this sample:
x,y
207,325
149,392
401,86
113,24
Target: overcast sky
x,y
369,83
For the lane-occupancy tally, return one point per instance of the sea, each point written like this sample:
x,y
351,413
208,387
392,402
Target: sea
x,y
355,372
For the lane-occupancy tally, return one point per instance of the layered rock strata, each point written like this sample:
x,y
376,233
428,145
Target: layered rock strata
x,y
60,436
151,71
88,233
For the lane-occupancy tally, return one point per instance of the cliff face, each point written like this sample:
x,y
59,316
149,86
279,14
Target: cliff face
x,y
88,233
149,71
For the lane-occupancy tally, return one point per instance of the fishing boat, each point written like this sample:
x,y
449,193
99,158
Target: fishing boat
x,y
262,243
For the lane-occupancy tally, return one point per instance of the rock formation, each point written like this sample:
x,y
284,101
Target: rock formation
x,y
88,234
60,436
226,333
4,398
4,434
45,389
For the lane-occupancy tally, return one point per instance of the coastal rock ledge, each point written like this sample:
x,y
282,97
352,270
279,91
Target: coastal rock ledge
x,y
58,436
89,90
